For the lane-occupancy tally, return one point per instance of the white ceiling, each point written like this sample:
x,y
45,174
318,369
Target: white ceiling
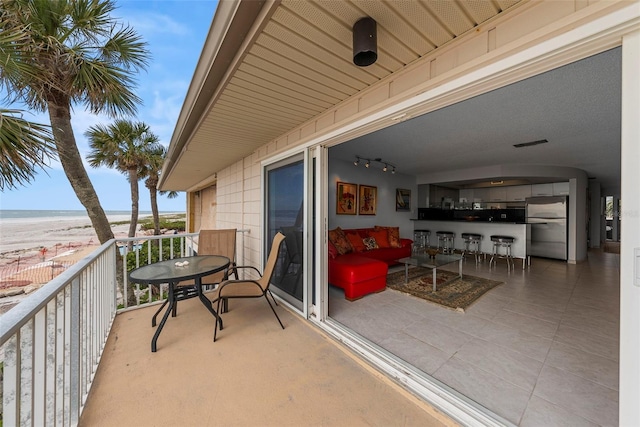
x,y
270,66
576,108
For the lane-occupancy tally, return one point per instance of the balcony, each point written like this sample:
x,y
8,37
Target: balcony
x,y
71,356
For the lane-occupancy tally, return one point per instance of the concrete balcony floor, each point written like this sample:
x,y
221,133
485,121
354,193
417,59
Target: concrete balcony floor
x,y
254,374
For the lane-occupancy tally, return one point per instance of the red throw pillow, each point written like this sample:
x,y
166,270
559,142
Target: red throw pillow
x,y
340,241
333,252
394,235
356,242
382,238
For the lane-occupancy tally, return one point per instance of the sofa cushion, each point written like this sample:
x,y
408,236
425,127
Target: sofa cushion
x,y
382,238
388,255
370,243
355,240
340,241
394,235
333,252
354,268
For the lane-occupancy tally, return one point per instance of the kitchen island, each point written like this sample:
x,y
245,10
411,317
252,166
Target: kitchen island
x,y
519,231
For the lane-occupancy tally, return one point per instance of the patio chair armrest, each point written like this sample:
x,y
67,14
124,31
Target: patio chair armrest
x,y
231,282
236,267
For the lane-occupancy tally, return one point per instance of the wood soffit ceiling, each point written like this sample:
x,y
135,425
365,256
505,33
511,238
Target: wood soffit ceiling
x,y
300,65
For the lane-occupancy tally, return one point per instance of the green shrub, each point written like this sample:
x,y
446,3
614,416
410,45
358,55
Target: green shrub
x,y
168,222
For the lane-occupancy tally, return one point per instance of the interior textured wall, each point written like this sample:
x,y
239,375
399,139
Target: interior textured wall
x,y
386,183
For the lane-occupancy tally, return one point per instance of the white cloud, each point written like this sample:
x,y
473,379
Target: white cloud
x,y
151,24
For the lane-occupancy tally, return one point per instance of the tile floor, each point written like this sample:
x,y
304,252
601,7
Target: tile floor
x,y
540,350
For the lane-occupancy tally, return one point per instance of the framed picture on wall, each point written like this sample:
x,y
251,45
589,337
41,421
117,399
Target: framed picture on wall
x,y
367,200
346,198
403,200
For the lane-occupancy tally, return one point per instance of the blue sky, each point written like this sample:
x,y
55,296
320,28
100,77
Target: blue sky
x,y
175,32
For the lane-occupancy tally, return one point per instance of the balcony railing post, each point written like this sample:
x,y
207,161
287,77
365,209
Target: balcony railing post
x,y
11,381
75,351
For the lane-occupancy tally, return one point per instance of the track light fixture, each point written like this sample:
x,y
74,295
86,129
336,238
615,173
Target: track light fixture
x,y
368,162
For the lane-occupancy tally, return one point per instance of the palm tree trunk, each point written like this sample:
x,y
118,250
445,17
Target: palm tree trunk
x,y
74,169
77,175
153,192
135,198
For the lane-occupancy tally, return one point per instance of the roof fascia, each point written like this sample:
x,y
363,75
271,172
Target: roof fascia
x,y
235,26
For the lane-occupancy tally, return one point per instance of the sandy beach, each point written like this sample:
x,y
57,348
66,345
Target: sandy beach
x,y
18,234
24,265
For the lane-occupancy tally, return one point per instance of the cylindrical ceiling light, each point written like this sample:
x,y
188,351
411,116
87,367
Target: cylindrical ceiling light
x,y
365,42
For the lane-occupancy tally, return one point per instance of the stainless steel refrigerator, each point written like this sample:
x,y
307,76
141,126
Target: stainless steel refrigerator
x,y
549,232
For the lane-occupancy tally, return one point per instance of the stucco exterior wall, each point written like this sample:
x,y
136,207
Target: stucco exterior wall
x,y
239,193
239,206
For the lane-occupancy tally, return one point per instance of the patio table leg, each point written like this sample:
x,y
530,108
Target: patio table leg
x,y
153,319
434,279
206,301
171,300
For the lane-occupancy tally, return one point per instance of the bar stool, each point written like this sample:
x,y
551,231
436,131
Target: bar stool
x,y
502,242
445,240
421,238
472,245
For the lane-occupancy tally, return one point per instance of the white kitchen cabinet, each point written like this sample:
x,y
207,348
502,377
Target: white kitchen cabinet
x,y
498,194
466,194
541,190
561,188
480,195
518,193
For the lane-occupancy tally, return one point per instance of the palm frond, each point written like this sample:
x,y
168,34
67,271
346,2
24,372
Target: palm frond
x,y
70,51
123,145
24,148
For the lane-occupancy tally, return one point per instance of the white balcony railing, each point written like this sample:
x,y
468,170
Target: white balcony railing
x,y
137,251
51,343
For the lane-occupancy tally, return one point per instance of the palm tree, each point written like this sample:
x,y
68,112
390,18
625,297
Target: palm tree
x,y
127,147
152,174
24,147
71,52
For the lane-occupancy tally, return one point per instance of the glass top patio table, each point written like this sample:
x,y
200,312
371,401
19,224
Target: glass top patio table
x,y
174,271
440,260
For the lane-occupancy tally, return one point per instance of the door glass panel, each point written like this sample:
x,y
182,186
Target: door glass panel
x,y
285,214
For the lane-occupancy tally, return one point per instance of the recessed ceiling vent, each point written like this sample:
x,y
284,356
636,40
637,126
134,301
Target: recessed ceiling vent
x,y
529,144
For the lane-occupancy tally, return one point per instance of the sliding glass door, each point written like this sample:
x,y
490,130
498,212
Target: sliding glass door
x,y
285,212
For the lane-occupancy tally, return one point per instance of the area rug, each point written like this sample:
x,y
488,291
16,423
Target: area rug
x,y
456,295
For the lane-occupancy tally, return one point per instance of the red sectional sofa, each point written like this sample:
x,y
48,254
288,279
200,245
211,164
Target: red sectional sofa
x,y
360,271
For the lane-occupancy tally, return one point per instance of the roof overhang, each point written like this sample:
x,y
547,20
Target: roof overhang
x,y
230,33
268,67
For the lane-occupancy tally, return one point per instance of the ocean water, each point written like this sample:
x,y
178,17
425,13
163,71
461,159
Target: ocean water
x,y
26,214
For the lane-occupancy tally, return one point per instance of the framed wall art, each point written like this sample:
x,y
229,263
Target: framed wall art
x,y
403,200
346,198
367,200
